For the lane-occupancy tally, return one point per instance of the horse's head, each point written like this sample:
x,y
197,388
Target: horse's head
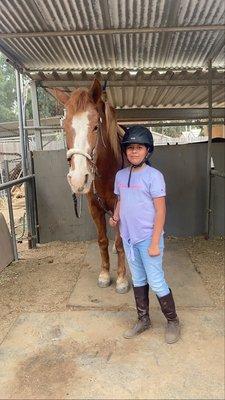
x,y
82,125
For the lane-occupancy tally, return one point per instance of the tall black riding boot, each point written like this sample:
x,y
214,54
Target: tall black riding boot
x,y
172,333
141,295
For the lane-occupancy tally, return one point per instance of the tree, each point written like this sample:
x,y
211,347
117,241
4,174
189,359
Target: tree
x,y
8,106
48,106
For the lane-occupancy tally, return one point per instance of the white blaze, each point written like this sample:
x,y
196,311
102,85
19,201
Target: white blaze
x,y
80,125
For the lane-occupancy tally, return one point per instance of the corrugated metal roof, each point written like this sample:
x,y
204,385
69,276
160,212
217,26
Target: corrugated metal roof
x,y
154,89
130,97
120,35
118,50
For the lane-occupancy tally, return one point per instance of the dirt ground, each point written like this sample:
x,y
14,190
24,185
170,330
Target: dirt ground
x,y
48,350
43,279
208,259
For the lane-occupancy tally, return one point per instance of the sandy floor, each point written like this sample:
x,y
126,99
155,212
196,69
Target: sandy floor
x,y
208,259
44,278
41,281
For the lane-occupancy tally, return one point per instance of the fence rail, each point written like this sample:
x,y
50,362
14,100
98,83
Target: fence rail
x,y
8,185
29,179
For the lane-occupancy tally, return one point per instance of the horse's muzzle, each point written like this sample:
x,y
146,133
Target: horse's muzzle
x,y
82,188
81,185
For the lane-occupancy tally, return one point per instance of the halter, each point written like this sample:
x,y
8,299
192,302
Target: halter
x,y
92,159
73,151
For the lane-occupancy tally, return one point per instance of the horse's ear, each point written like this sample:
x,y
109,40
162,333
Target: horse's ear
x,y
95,90
59,94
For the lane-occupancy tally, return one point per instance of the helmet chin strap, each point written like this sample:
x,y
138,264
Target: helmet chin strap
x,y
136,166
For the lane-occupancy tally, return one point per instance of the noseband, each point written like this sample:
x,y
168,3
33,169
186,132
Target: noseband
x,y
90,157
73,151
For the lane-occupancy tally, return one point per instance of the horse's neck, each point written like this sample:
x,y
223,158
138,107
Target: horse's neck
x,y
109,156
107,162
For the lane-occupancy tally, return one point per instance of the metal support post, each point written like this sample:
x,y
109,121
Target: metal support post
x,y
21,127
10,209
32,204
36,117
209,154
24,156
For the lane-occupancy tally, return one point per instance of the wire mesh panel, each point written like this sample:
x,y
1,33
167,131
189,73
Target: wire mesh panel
x,y
17,193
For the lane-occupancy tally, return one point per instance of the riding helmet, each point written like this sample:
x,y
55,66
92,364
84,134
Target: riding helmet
x,y
138,134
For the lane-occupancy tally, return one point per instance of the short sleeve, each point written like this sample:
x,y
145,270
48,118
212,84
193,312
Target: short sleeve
x,y
157,185
116,187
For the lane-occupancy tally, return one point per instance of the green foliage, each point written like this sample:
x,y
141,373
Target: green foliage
x,y
48,106
8,108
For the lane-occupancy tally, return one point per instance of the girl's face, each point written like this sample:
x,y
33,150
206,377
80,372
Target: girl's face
x,y
136,153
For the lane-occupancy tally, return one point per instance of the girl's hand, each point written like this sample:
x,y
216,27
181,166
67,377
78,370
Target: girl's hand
x,y
154,250
113,221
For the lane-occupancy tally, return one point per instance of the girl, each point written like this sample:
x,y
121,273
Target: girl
x,y
140,214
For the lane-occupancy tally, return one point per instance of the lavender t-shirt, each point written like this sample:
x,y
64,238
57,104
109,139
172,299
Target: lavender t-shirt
x,y
137,210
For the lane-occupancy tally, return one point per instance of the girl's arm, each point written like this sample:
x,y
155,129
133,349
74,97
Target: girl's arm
x,y
113,221
160,214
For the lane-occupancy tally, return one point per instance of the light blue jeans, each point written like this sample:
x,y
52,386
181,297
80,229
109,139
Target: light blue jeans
x,y
146,269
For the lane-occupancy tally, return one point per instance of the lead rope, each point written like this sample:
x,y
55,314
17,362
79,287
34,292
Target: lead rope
x,y
100,201
75,202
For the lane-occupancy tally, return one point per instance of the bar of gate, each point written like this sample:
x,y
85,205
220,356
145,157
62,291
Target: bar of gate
x,y
7,185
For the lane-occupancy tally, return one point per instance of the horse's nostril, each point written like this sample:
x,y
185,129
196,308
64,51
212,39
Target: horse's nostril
x,y
86,179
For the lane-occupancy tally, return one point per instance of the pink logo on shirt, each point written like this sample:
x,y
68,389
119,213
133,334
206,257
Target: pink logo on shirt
x,y
134,186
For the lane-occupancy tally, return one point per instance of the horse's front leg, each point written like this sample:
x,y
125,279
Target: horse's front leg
x,y
103,242
122,284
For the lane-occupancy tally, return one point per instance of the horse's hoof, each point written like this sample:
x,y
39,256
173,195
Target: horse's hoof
x,y
122,287
104,284
104,280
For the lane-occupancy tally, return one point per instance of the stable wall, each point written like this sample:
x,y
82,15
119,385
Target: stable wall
x,y
184,168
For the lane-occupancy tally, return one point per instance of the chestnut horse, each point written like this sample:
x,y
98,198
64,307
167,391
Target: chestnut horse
x,y
92,136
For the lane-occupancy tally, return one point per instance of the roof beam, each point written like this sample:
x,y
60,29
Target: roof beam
x,y
133,83
112,31
15,134
167,114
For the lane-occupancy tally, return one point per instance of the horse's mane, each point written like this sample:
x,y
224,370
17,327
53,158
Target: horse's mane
x,y
113,131
81,99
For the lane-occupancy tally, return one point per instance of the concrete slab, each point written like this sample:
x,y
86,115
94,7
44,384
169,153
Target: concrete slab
x,y
6,249
181,275
80,355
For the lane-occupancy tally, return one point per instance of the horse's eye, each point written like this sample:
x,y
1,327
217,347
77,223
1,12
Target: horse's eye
x,y
95,128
